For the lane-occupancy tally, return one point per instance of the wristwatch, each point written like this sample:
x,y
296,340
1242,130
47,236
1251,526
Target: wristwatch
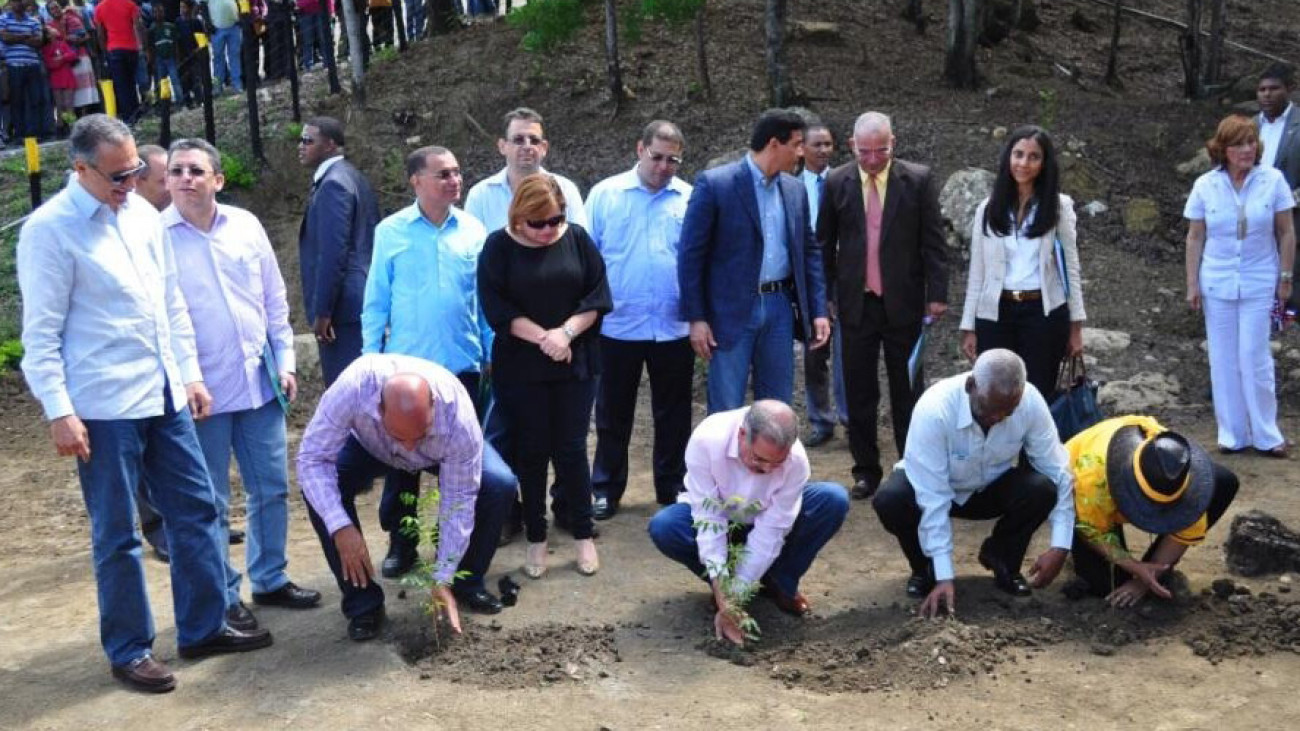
x,y
1283,276
570,332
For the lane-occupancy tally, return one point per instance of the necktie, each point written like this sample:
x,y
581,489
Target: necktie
x,y
873,280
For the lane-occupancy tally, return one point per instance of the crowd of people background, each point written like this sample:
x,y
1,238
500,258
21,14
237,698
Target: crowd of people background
x,y
476,343
53,53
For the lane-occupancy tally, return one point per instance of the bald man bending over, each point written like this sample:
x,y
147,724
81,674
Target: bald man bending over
x,y
393,411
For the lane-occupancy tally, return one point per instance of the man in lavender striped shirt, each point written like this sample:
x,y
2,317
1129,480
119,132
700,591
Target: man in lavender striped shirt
x,y
746,469
394,411
234,291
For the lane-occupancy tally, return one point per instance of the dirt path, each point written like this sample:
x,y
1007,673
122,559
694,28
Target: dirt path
x,y
629,648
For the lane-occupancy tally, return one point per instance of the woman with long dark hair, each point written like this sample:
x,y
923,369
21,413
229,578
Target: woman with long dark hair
x,y
1024,291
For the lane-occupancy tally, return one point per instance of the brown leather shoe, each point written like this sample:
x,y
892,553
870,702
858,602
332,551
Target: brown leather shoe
x,y
797,605
146,674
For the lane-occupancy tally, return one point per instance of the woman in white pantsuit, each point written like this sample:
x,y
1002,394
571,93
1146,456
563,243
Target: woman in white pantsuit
x,y
1240,251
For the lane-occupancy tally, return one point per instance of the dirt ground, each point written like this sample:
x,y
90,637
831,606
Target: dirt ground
x,y
630,648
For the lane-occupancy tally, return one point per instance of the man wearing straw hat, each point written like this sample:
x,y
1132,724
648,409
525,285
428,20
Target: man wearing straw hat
x,y
1130,469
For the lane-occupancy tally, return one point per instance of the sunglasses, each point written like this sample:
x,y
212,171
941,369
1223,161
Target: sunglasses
x,y
520,140
659,157
194,171
305,140
445,173
122,176
547,222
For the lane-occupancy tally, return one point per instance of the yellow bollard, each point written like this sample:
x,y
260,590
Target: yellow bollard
x,y
244,7
110,99
165,89
33,155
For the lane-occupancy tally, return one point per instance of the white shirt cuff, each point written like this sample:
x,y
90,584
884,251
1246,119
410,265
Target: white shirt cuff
x,y
942,566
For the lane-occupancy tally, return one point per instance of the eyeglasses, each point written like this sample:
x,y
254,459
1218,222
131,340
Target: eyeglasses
x,y
194,171
122,176
305,140
660,157
445,173
874,151
521,140
548,222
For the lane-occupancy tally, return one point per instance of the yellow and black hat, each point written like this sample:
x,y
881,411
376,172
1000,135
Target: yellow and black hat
x,y
1161,482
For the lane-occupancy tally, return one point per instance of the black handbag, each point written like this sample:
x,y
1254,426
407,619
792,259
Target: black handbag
x,y
1075,408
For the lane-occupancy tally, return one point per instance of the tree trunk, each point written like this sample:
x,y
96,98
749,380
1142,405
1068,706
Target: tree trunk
x,y
701,52
442,16
355,40
779,88
914,13
1191,51
611,54
1214,56
964,24
1112,63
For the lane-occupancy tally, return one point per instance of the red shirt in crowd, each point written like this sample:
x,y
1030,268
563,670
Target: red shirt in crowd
x,y
118,19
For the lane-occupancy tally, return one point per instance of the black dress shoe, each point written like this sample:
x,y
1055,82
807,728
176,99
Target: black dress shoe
x,y
400,559
602,508
1010,582
157,539
863,489
365,626
236,536
226,641
241,618
480,600
290,596
818,437
920,585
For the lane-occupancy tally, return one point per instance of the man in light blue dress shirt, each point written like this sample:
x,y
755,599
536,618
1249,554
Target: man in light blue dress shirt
x,y
525,148
421,299
636,222
109,352
232,284
822,366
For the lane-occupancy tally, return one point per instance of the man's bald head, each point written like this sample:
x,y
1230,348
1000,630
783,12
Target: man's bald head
x,y
406,405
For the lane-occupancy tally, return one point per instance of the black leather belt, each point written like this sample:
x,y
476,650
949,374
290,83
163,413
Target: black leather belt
x,y
783,285
1021,295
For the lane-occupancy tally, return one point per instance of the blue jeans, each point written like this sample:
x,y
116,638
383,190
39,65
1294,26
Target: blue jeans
x,y
357,470
164,451
823,371
481,7
169,68
226,45
258,439
414,18
314,29
766,344
825,504
27,89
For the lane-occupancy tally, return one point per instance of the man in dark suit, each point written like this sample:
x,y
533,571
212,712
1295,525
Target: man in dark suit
x,y
748,255
334,245
882,233
1279,130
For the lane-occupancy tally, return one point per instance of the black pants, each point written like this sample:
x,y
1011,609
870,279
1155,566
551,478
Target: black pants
x,y
862,345
1038,339
547,422
671,365
1103,577
122,69
393,508
1020,499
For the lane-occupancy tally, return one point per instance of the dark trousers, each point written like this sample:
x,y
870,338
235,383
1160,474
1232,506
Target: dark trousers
x,y
1103,577
548,423
862,346
357,470
393,508
671,365
336,356
381,23
27,90
122,69
1038,339
1020,499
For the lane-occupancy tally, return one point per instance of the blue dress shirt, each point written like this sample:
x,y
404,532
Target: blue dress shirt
x,y
423,289
776,250
814,183
489,200
638,233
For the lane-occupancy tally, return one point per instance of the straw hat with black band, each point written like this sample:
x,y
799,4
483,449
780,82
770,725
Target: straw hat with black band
x,y
1161,482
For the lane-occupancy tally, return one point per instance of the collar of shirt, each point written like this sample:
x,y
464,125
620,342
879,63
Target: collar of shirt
x,y
502,177
1280,119
413,213
760,179
631,180
882,179
324,167
171,216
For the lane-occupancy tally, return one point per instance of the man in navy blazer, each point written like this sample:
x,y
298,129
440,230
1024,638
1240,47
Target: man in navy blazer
x,y
334,245
748,258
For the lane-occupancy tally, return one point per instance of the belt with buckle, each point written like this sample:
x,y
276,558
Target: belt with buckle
x,y
780,285
1021,295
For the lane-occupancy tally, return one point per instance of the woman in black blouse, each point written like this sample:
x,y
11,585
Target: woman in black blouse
x,y
542,285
